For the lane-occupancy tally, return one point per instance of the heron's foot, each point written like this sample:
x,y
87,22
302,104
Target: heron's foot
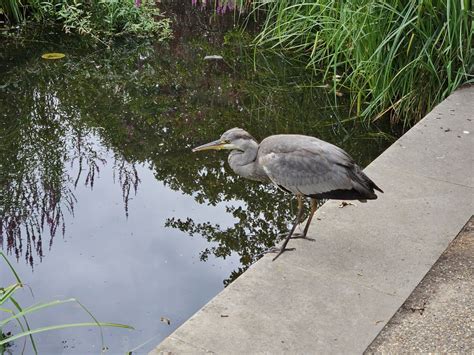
x,y
298,235
280,251
275,250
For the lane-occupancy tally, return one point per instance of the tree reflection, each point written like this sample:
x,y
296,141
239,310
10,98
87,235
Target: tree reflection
x,y
59,119
36,183
256,228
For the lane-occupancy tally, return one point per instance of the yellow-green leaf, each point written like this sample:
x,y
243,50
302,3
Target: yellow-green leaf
x,y
53,55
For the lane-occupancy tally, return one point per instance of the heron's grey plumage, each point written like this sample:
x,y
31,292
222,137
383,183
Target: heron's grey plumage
x,y
243,160
299,164
302,165
312,167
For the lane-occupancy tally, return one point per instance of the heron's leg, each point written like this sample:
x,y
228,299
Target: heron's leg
x,y
298,220
314,206
295,224
300,209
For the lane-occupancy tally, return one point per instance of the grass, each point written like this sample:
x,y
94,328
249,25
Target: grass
x,y
395,59
11,10
15,313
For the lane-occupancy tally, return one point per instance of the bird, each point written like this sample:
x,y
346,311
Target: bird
x,y
302,165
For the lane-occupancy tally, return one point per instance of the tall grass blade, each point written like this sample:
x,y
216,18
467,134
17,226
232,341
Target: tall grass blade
x,y
63,326
396,59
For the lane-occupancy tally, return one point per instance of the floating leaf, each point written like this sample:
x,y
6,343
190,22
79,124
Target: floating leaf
x,y
213,57
165,320
53,55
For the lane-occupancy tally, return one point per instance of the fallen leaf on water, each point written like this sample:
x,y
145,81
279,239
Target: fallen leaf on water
x,y
53,55
344,204
224,315
165,320
213,57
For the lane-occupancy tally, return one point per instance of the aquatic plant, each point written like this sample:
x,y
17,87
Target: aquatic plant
x,y
11,10
95,18
18,314
394,58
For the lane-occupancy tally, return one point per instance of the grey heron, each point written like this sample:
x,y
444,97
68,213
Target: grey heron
x,y
302,165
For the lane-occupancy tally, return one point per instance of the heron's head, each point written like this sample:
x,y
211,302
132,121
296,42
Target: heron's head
x,y
233,139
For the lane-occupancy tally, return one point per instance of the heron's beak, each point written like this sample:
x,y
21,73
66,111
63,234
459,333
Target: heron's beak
x,y
216,145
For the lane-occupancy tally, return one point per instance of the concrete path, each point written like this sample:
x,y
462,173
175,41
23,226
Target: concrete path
x,y
335,295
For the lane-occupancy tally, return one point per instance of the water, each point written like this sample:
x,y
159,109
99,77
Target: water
x,y
101,198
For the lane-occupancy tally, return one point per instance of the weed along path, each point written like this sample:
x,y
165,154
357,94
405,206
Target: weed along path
x,y
336,294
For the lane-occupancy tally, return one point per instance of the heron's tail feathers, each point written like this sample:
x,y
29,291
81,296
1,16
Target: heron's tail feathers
x,y
362,188
364,185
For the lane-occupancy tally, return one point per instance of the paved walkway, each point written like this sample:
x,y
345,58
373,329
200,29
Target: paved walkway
x,y
336,294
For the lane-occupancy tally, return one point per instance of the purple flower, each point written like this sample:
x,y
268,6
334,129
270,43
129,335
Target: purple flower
x,y
138,3
221,6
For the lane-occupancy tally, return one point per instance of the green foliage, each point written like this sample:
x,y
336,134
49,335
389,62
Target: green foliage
x,y
96,18
396,58
18,314
11,9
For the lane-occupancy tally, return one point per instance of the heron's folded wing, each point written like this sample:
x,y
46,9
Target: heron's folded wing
x,y
308,171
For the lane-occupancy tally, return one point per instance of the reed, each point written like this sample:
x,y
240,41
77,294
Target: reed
x,y
16,314
12,10
395,59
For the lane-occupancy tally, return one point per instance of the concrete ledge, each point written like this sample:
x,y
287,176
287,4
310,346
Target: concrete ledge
x,y
334,295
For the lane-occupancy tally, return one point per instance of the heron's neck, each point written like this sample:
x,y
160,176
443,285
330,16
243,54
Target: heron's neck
x,y
244,163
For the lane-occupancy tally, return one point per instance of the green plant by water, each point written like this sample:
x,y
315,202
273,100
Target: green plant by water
x,y
395,58
98,19
14,312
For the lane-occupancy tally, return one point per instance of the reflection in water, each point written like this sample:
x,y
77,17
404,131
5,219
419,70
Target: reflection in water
x,y
258,223
104,134
37,184
148,104
41,136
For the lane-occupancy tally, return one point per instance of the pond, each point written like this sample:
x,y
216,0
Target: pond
x,y
101,198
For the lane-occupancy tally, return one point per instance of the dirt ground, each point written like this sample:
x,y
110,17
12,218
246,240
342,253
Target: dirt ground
x,y
438,317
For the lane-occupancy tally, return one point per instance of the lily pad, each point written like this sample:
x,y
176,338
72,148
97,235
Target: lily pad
x,y
53,55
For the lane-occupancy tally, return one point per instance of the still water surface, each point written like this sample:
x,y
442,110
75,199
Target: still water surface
x,y
101,197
